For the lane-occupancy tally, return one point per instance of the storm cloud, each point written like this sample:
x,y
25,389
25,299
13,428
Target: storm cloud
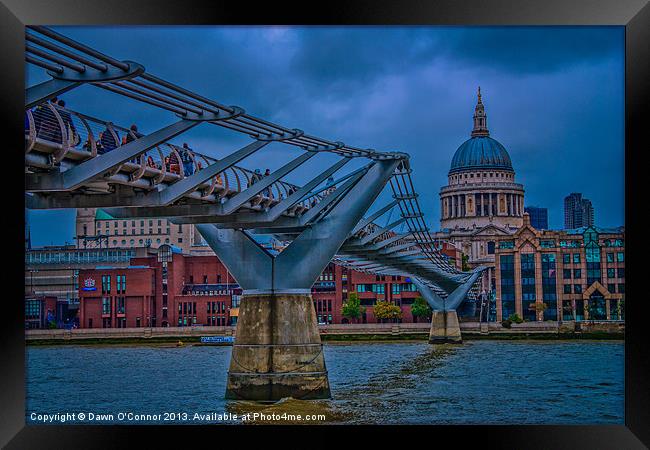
x,y
553,95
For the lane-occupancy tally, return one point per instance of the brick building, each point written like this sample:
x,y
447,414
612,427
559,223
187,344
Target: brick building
x,y
40,310
561,275
168,288
165,289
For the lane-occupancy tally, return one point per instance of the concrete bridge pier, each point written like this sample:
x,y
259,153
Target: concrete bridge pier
x,y
445,328
277,351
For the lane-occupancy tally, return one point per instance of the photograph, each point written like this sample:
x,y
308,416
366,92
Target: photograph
x,y
324,225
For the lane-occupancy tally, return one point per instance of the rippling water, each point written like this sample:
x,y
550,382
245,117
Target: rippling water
x,y
479,382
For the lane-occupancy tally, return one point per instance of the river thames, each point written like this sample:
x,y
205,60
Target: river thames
x,y
479,382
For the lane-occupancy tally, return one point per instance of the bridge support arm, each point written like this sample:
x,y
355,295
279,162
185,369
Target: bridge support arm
x,y
47,90
304,259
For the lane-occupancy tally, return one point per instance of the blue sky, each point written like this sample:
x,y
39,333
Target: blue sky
x,y
554,98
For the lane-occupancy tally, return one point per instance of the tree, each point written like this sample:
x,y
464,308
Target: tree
x,y
387,310
465,263
539,307
514,318
420,308
352,308
621,309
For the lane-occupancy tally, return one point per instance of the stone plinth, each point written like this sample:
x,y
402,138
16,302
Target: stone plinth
x,y
445,328
277,351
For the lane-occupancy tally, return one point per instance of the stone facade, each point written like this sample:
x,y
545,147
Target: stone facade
x,y
561,275
481,202
95,229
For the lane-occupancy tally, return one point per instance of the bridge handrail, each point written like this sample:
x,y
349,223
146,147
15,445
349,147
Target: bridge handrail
x,y
71,129
155,91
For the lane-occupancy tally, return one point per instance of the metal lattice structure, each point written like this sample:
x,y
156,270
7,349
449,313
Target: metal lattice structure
x,y
74,160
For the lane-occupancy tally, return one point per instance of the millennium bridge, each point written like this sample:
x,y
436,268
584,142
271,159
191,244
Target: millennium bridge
x,y
73,160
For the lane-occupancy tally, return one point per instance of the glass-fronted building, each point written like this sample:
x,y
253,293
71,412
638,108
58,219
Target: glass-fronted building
x,y
538,217
565,275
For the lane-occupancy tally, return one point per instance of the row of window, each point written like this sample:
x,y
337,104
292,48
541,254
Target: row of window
x,y
120,307
78,256
611,287
381,288
216,307
133,232
146,241
507,176
107,224
323,305
577,273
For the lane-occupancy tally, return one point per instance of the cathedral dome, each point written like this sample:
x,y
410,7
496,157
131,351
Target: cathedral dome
x,y
480,152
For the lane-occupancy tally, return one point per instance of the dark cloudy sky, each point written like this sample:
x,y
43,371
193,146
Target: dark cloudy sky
x,y
554,98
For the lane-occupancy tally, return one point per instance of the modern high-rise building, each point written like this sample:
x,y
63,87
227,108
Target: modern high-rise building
x,y
538,217
578,211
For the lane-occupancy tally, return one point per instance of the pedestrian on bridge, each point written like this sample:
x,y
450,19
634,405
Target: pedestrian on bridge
x,y
174,164
106,141
186,158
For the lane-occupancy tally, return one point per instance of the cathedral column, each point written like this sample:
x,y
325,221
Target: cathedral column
x,y
490,204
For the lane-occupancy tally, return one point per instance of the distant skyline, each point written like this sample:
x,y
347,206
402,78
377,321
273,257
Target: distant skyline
x,y
554,97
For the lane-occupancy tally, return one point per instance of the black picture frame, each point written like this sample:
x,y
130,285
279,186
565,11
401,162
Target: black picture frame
x,y
633,14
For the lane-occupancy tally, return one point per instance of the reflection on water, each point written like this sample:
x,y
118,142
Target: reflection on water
x,y
404,383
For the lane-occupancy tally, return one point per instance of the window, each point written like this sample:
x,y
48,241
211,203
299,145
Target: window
x,y
577,288
106,284
621,288
120,305
567,288
528,285
611,287
506,263
566,258
507,244
180,240
566,274
106,305
205,279
490,248
577,273
378,288
621,272
620,257
610,257
576,258
611,273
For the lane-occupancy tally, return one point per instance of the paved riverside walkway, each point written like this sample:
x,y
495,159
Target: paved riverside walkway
x,y
380,329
